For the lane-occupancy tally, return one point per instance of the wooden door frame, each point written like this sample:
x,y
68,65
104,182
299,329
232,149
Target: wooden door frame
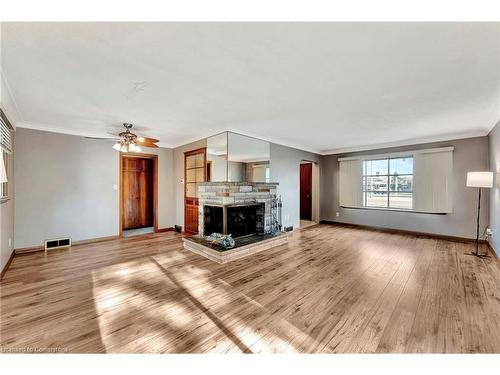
x,y
315,189
186,154
304,162
137,155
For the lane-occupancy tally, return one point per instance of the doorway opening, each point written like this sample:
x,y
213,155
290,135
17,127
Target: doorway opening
x,y
309,193
138,194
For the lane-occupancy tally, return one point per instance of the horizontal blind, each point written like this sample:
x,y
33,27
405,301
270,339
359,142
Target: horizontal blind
x,y
5,135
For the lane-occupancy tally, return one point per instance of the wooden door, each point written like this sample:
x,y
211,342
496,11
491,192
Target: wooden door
x,y
306,191
195,171
137,192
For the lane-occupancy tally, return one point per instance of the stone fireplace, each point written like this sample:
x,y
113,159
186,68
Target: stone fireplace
x,y
242,209
237,208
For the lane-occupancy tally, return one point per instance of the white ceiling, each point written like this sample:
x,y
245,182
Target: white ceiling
x,y
323,87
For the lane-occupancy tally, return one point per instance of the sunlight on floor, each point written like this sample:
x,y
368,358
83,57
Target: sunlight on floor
x,y
190,311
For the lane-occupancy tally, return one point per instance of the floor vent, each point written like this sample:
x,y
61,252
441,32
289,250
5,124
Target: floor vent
x,y
57,243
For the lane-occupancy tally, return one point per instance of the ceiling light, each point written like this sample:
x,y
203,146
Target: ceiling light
x,y
117,146
138,149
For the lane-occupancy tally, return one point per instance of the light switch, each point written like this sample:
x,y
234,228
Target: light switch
x,y
115,187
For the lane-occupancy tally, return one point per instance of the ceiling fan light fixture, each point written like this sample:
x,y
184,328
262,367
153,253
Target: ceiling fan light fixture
x,y
129,142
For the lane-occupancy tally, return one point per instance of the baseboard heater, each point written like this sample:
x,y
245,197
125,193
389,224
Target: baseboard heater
x,y
57,243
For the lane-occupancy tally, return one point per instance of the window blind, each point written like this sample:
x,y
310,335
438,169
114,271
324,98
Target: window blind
x,y
351,184
433,173
432,179
5,134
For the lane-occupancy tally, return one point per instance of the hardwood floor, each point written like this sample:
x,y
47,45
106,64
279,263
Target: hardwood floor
x,y
331,289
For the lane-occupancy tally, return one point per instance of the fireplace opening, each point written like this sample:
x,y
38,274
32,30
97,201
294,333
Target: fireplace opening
x,y
237,220
246,219
213,220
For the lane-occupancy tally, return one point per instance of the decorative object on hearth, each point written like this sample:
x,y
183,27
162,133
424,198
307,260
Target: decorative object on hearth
x,y
224,240
479,180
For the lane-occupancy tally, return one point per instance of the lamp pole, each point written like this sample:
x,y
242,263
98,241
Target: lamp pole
x,y
477,229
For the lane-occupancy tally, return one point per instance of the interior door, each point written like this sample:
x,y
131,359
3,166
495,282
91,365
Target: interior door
x,y
195,171
306,191
137,195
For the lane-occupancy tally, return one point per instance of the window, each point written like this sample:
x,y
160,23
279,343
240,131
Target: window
x,y
417,181
5,150
388,183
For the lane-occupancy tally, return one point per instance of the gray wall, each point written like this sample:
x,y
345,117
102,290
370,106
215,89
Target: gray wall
x,y
469,155
494,142
65,186
7,218
285,169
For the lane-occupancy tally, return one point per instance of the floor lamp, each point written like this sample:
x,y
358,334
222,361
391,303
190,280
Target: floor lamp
x,y
479,180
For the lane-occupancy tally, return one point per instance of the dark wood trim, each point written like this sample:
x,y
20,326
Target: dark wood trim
x,y
155,187
402,231
186,154
7,264
32,249
168,229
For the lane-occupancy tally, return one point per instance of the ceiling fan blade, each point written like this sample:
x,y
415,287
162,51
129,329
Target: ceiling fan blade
x,y
146,144
105,138
148,140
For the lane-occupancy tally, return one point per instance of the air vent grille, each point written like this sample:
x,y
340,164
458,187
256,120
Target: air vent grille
x,y
57,243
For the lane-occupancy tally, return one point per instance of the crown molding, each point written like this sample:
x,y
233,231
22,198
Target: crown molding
x,y
367,147
407,142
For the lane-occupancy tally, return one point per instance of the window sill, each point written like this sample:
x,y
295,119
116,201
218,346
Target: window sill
x,y
395,210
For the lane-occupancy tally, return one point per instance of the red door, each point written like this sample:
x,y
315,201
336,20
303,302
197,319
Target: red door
x,y
306,191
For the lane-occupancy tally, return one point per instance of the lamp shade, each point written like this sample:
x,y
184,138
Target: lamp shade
x,y
3,173
480,179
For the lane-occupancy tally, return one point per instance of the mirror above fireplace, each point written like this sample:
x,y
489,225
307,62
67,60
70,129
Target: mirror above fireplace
x,y
233,157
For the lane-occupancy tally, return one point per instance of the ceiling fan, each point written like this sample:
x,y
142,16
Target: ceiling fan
x,y
130,142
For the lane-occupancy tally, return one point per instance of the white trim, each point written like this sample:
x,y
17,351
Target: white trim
x,y
407,142
398,154
394,209
204,136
